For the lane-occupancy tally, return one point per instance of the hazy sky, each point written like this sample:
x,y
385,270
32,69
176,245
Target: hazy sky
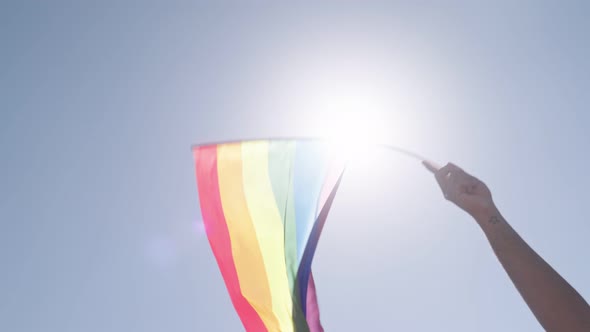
x,y
100,102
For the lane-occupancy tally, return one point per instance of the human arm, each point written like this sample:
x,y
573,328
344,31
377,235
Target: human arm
x,y
554,302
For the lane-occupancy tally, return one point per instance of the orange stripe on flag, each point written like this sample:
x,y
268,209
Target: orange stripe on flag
x,y
245,247
269,228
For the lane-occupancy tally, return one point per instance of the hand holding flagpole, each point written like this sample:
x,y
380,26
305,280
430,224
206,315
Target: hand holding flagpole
x,y
554,302
466,191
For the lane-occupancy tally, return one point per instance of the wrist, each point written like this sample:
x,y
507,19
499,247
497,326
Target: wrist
x,y
488,216
493,224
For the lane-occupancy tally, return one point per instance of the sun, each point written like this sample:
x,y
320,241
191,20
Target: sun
x,y
352,115
350,112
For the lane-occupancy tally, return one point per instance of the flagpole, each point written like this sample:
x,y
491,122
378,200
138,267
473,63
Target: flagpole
x,y
389,147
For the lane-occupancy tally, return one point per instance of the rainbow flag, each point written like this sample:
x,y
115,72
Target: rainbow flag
x,y
264,204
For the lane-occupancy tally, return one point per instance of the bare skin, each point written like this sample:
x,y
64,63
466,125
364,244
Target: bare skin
x,y
555,303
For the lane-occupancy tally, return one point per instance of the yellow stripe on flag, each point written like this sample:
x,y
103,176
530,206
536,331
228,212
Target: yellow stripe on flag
x,y
245,246
268,224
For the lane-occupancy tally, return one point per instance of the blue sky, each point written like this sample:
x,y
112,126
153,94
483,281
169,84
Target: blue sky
x,y
100,102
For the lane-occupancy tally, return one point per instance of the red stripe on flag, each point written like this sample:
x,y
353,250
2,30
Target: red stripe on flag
x,y
218,234
313,309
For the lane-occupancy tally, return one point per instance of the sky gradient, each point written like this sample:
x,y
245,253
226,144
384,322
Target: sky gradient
x,y
100,103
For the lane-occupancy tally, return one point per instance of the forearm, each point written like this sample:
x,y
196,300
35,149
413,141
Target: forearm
x,y
555,304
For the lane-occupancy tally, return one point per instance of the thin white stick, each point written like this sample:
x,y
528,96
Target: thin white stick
x,y
393,148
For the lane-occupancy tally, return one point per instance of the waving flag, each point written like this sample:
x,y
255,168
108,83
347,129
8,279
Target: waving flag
x,y
264,204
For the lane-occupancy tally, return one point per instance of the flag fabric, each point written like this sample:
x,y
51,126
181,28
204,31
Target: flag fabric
x,y
264,204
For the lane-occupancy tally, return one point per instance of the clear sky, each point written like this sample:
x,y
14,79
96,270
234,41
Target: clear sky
x,y
100,102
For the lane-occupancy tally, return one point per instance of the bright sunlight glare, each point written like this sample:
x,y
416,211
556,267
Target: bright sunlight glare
x,y
351,117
